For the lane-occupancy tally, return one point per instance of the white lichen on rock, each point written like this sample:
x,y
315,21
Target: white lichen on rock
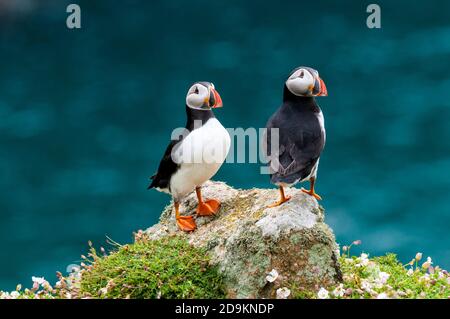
x,y
247,240
293,215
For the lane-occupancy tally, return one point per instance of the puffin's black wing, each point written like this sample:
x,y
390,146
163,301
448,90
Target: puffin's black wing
x,y
301,141
166,169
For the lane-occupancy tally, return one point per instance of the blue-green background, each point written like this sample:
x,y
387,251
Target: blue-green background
x,y
86,114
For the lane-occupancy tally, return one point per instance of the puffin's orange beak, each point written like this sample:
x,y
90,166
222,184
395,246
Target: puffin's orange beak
x,y
323,88
217,99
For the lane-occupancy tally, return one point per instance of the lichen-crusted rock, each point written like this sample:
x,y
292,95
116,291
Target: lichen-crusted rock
x,y
247,240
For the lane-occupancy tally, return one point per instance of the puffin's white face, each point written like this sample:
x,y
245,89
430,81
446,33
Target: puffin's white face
x,y
306,82
203,96
301,82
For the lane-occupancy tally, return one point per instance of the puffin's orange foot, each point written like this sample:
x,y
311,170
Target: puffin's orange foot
x,y
208,208
312,193
186,223
280,202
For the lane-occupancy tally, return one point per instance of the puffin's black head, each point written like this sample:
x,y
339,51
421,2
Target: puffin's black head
x,y
305,81
203,96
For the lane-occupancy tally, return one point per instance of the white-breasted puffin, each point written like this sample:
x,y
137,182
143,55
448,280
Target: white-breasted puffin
x,y
196,156
301,133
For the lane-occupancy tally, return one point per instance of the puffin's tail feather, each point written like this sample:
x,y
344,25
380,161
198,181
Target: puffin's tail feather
x,y
153,183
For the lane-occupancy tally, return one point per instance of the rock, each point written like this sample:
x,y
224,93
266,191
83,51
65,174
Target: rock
x,y
247,240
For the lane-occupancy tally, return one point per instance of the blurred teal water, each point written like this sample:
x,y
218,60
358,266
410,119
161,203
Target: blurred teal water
x,y
86,114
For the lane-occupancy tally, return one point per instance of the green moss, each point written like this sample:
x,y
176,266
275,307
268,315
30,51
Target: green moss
x,y
362,279
302,293
319,259
419,284
295,239
383,277
171,268
166,268
238,262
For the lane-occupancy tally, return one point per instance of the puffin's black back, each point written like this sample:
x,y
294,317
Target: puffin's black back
x,y
167,167
301,139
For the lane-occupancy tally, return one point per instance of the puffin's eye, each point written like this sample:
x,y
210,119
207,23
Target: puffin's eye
x,y
302,74
196,90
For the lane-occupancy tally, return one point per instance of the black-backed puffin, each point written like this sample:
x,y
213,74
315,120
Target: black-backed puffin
x,y
195,156
301,133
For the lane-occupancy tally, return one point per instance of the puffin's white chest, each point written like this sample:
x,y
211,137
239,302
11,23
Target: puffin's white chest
x,y
200,155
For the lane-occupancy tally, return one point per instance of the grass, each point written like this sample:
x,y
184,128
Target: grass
x,y
385,278
167,268
171,268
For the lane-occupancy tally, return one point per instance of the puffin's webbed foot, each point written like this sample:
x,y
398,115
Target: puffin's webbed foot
x,y
312,193
208,208
283,199
280,202
186,223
